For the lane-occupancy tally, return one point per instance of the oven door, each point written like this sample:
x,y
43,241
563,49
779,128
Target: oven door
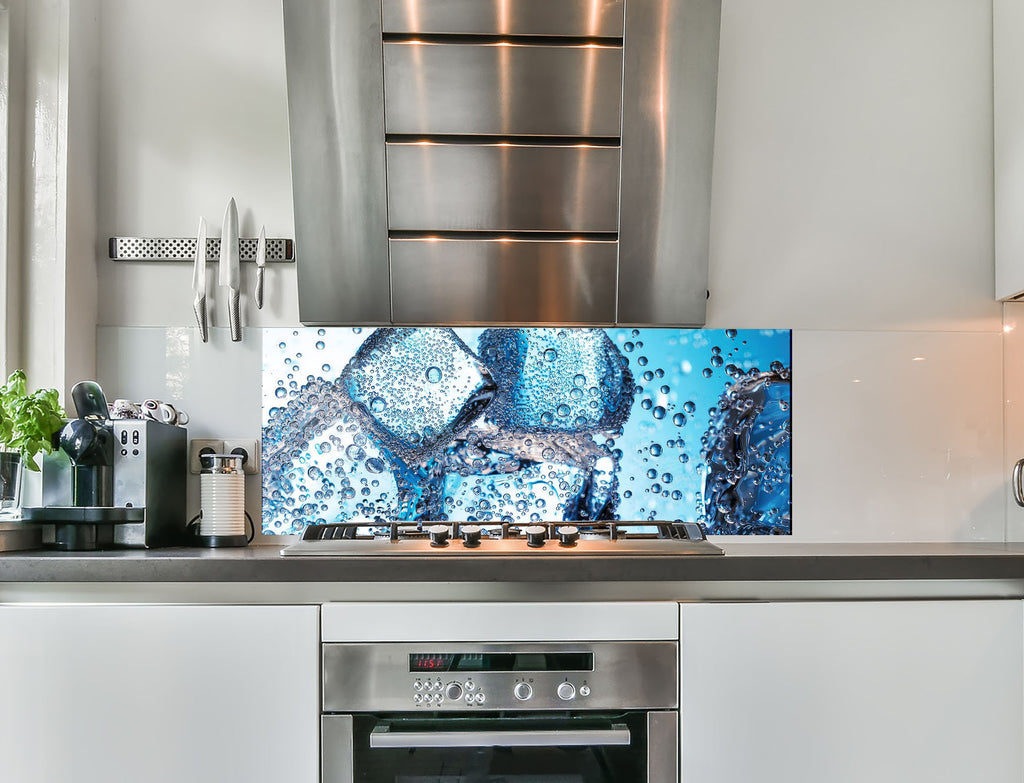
x,y
633,747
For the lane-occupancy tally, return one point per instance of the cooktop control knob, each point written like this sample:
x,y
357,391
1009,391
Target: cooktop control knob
x,y
470,535
453,691
566,691
522,691
568,535
535,535
438,535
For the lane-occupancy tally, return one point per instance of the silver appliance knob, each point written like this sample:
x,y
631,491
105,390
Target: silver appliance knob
x,y
438,535
584,690
479,698
470,685
535,535
522,691
566,691
453,691
471,535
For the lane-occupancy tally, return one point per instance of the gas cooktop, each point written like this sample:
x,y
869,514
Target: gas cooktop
x,y
464,539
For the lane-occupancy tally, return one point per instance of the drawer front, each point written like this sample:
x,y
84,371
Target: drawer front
x,y
495,281
502,187
502,89
597,18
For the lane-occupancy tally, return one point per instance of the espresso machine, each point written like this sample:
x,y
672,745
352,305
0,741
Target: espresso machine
x,y
112,483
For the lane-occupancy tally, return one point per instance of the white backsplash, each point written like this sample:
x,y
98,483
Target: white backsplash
x,y
897,436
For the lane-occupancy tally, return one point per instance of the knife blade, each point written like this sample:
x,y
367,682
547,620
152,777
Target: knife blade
x,y
261,262
229,274
199,282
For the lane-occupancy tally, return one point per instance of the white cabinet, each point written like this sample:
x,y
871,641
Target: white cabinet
x,y
852,692
159,694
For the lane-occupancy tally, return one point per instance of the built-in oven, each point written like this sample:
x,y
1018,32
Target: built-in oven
x,y
517,712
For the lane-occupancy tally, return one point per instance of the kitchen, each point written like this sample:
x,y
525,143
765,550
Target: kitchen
x,y
852,202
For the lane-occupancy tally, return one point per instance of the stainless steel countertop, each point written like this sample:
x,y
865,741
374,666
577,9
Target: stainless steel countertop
x,y
747,569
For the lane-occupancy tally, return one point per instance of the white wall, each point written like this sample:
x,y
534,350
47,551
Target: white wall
x,y
852,202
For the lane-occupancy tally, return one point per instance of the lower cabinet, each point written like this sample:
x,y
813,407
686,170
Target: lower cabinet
x,y
852,692
159,694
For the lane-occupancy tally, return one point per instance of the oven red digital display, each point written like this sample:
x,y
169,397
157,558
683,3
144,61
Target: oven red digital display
x,y
431,662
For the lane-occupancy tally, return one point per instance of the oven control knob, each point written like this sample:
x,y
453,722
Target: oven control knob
x,y
438,535
566,691
453,691
522,691
470,535
535,535
568,535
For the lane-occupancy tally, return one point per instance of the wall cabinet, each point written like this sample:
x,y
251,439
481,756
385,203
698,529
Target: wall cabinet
x,y
160,694
852,692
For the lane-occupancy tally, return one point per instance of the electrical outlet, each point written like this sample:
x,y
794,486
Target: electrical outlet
x,y
249,449
199,446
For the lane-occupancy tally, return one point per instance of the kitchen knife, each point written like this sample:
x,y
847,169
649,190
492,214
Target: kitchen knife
x,y
199,282
229,275
261,262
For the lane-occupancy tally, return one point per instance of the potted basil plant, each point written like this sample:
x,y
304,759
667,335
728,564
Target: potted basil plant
x,y
28,422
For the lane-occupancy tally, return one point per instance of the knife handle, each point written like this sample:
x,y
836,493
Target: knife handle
x,y
199,307
258,294
234,318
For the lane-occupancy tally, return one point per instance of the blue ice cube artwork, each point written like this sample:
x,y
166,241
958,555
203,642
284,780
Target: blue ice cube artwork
x,y
521,425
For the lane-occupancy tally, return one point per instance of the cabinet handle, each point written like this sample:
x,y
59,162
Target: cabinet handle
x,y
1018,489
383,737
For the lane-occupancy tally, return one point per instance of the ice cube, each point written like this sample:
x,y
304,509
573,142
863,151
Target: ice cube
x,y
557,380
415,388
747,451
494,475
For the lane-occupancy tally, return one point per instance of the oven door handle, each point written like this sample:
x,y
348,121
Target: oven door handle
x,y
382,737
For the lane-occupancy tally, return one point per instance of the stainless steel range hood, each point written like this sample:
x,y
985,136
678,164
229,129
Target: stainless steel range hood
x,y
502,161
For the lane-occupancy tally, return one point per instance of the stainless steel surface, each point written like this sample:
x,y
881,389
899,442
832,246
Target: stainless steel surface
x,y
261,262
502,187
221,463
229,272
382,737
336,748
19,536
669,93
463,79
505,89
376,677
514,547
592,18
663,747
279,251
511,281
336,121
199,282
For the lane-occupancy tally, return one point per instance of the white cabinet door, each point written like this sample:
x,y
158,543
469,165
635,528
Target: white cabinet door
x,y
159,694
877,692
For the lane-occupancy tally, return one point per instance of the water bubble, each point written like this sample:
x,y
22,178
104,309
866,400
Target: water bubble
x,y
679,420
666,478
375,465
378,404
325,367
655,449
730,333
635,332
659,373
684,458
655,488
652,474
664,390
280,392
717,361
627,494
321,332
707,372
580,380
547,417
282,345
715,350
628,347
642,361
434,374
357,330
689,406
355,453
659,412
550,355
646,403
320,345
648,376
